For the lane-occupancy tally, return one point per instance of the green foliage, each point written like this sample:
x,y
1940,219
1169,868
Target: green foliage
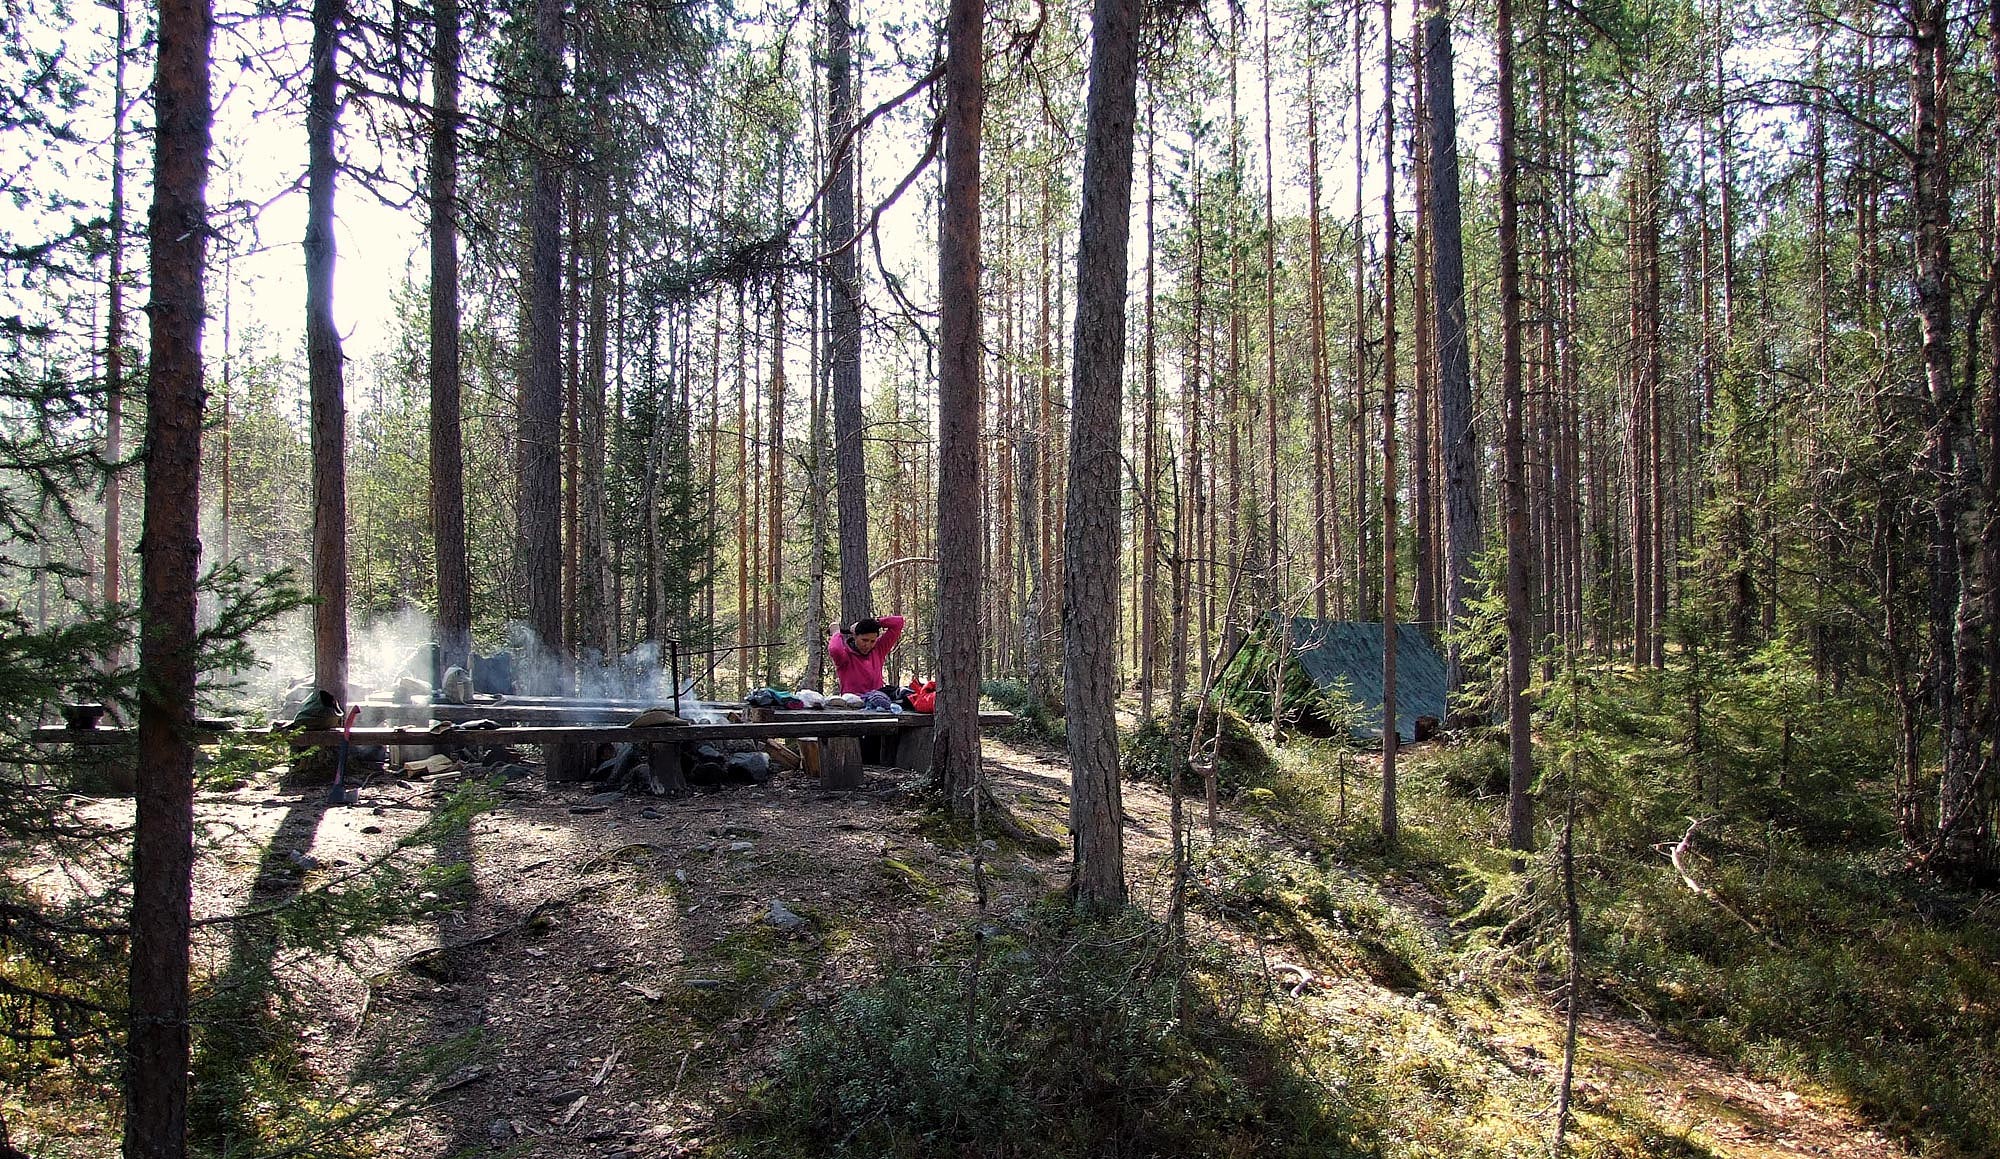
x,y
256,1090
1242,761
1471,764
1327,908
1078,1040
1811,956
1034,718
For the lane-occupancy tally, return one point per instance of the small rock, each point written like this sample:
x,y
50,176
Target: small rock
x,y
602,968
704,983
681,875
782,917
514,772
371,828
651,814
564,1096
500,1130
740,847
302,860
989,845
606,798
585,809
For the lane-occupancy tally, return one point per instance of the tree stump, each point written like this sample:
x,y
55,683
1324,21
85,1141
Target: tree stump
x,y
912,750
568,763
840,762
664,759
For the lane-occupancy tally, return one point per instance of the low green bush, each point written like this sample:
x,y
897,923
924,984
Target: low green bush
x,y
1242,761
1078,1040
1035,719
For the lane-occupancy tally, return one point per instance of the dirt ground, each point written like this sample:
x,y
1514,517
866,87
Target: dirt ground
x,y
623,965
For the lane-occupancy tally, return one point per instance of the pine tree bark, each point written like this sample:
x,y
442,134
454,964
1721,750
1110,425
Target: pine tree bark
x,y
593,611
1422,370
447,455
323,359
774,612
114,334
1390,736
960,530
157,1043
539,413
1090,547
1322,467
1454,362
1520,815
1149,495
1949,460
844,323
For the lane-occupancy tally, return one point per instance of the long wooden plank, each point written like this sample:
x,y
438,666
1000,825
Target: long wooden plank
x,y
787,724
602,734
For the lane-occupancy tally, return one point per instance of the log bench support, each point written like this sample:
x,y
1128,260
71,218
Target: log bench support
x,y
913,750
840,762
664,758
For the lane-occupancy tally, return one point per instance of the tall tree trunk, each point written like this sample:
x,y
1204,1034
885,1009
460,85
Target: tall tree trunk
x,y
961,530
1322,466
1422,370
774,612
1454,360
114,335
593,613
817,460
454,575
1273,517
1390,737
1033,492
1520,817
156,1048
1149,452
539,551
1090,548
323,359
1949,460
844,322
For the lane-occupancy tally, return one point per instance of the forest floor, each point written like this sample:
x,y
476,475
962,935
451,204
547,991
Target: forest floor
x,y
615,972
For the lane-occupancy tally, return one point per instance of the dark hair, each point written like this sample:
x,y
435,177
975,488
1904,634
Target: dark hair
x,y
865,627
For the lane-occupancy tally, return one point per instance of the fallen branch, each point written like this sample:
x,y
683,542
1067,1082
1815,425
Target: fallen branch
x,y
430,958
1678,855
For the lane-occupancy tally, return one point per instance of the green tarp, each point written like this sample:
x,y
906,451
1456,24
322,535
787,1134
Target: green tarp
x,y
1345,654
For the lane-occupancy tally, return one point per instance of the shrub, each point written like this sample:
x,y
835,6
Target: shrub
x,y
1035,719
1242,761
1081,1040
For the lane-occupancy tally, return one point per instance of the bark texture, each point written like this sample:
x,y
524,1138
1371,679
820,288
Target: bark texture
x,y
1520,815
1091,548
156,1053
961,530
1454,362
323,361
539,411
850,469
454,577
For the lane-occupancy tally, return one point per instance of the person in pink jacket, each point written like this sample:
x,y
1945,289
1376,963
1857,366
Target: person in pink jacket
x,y
858,651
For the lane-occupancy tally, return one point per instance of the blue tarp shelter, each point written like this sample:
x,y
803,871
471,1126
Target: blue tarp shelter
x,y
1346,654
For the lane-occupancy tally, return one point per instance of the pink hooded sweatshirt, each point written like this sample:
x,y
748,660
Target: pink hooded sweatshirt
x,y
861,674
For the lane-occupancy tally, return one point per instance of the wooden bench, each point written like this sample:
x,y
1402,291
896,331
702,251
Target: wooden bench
x,y
571,750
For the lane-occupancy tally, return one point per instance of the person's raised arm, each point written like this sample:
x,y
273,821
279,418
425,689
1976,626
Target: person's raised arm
x,y
892,631
836,645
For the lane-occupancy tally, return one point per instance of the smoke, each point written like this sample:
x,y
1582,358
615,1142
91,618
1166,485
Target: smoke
x,y
642,674
384,649
380,651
